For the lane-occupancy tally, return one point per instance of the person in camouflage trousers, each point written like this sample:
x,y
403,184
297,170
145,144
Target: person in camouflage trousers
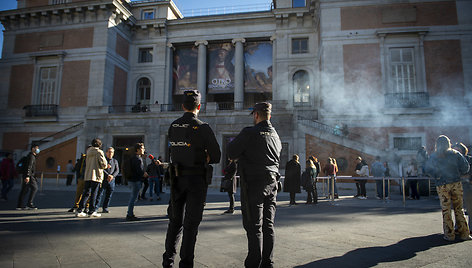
x,y
447,166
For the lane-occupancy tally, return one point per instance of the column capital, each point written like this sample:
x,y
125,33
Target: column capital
x,y
170,45
273,37
201,42
235,40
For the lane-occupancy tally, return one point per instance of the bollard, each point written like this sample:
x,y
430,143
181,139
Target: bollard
x,y
332,188
57,179
383,188
41,184
403,190
429,187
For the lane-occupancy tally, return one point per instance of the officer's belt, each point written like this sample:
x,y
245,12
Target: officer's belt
x,y
192,171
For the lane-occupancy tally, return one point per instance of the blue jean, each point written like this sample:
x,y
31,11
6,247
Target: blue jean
x,y
135,187
379,184
329,185
108,188
6,187
154,186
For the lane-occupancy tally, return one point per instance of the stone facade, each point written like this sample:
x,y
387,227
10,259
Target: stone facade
x,y
347,78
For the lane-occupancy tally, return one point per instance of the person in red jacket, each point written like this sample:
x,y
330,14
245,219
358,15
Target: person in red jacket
x,y
8,171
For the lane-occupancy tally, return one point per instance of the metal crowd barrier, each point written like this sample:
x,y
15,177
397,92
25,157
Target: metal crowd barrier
x,y
384,181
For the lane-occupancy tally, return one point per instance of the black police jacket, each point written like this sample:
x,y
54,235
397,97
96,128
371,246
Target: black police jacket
x,y
190,141
257,148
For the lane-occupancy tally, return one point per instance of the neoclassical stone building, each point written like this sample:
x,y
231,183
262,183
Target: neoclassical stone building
x,y
346,78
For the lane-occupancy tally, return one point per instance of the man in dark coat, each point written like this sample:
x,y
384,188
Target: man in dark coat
x,y
292,178
29,182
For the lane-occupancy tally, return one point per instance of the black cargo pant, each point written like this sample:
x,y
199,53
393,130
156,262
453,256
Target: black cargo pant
x,y
258,205
185,214
32,186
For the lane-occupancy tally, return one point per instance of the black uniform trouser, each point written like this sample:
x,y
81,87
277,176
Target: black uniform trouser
x,y
32,186
185,214
258,205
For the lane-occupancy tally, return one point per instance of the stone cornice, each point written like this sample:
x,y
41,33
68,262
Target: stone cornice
x,y
69,13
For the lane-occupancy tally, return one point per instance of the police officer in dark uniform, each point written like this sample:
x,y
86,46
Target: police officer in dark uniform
x,y
193,146
258,150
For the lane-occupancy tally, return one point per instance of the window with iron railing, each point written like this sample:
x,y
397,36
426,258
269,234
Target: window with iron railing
x,y
402,70
143,91
407,143
47,93
301,88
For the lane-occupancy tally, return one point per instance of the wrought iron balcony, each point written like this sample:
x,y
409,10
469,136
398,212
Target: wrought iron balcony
x,y
407,100
40,110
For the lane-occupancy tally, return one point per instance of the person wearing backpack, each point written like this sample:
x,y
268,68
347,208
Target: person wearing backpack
x,y
29,182
79,169
8,173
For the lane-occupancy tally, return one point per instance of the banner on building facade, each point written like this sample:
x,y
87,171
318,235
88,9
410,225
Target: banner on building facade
x,y
220,68
184,73
258,67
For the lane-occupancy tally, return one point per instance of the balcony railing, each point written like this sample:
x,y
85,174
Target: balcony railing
x,y
407,100
40,110
117,109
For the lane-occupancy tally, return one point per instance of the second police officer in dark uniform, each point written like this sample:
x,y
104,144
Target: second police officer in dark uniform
x,y
193,146
258,150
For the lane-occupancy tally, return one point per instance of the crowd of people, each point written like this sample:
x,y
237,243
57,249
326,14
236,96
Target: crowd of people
x,y
255,155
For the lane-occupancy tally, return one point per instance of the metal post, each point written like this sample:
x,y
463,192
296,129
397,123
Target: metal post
x,y
41,184
429,187
383,188
57,179
403,190
332,188
388,183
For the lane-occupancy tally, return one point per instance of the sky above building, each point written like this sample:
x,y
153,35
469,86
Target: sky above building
x,y
202,7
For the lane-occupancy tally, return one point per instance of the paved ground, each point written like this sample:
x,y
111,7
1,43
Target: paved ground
x,y
346,233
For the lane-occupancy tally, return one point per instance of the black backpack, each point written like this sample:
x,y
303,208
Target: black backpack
x,y
22,165
306,179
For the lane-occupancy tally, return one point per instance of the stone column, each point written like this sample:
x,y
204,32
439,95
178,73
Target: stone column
x,y
239,73
167,98
273,39
201,71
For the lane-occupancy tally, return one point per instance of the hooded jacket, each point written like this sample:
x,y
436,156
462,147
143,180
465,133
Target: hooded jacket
x,y
95,164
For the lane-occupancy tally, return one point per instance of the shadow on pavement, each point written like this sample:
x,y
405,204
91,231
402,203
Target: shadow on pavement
x,y
372,256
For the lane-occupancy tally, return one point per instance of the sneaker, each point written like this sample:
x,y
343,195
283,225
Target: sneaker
x,y
362,197
81,214
71,210
387,198
20,208
95,215
229,211
158,198
31,207
466,238
105,211
132,218
378,197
